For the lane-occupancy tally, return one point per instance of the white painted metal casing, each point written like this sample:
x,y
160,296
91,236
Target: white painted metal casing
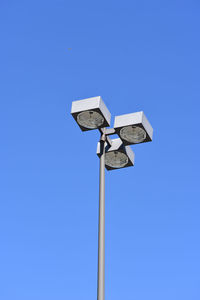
x,y
135,119
94,104
117,145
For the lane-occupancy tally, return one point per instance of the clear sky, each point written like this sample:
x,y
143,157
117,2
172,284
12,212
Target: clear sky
x,y
137,55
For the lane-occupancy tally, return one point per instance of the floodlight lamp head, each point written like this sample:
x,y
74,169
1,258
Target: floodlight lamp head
x,y
133,128
117,156
91,113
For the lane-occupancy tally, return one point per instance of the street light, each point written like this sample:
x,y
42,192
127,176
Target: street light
x,y
90,114
133,128
117,155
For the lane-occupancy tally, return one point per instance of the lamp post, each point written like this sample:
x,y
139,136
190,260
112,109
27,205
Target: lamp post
x,y
101,237
134,128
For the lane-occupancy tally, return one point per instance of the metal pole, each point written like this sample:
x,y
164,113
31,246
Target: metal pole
x,y
101,244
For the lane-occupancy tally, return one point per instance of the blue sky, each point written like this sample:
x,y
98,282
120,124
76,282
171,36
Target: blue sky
x,y
138,55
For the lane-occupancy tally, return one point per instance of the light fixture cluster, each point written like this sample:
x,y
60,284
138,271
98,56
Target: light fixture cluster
x,y
134,128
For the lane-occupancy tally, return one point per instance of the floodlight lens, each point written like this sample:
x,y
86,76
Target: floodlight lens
x,y
90,119
116,159
133,134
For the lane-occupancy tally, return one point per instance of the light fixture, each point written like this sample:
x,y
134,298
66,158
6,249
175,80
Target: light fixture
x,y
91,113
133,128
117,156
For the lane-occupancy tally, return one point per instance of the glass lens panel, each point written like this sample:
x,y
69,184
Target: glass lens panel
x,y
133,134
116,159
90,119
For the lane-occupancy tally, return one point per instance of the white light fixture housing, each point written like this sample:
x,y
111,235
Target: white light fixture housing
x,y
117,156
133,128
91,113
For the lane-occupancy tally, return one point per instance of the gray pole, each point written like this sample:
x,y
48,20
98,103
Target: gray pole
x,y
101,245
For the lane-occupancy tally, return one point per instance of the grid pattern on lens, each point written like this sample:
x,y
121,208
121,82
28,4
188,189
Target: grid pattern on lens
x,y
90,119
116,159
133,134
